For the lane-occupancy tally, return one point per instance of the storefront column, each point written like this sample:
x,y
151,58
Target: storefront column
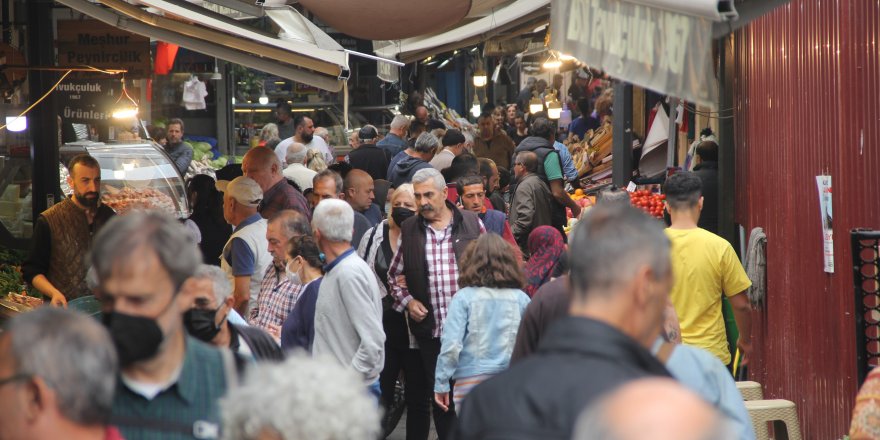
x,y
622,166
225,138
727,145
43,117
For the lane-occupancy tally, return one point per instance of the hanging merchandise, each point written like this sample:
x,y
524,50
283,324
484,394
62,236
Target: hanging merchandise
x,y
194,93
653,161
165,54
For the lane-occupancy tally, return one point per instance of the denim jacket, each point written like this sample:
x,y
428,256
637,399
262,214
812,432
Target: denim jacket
x,y
479,333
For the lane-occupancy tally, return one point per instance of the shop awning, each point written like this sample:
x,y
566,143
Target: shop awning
x,y
511,18
291,59
664,45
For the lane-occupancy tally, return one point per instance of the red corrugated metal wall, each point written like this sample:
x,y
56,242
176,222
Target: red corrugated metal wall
x,y
807,96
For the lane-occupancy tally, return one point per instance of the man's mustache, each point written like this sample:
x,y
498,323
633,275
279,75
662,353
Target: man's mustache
x,y
424,208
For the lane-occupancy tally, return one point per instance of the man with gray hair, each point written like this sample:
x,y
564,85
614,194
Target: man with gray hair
x,y
659,409
278,294
208,318
616,313
302,398
348,312
439,234
57,377
395,141
170,383
414,159
296,170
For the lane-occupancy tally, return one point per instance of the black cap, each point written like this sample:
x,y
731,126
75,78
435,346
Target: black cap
x,y
368,132
434,124
453,137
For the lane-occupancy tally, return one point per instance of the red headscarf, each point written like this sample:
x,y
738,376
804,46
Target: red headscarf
x,y
546,248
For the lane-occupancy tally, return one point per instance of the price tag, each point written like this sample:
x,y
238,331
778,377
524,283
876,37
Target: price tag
x,y
631,187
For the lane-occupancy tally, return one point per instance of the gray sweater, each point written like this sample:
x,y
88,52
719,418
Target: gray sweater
x,y
348,318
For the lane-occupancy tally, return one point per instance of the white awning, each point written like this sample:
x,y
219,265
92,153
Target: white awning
x,y
303,41
222,45
500,20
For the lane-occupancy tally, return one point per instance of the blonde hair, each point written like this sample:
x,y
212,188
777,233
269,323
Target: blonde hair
x,y
315,161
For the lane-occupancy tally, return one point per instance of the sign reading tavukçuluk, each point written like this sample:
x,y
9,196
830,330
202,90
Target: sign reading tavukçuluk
x,y
656,48
87,101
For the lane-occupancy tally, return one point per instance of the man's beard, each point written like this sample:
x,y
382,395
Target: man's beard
x,y
89,199
306,138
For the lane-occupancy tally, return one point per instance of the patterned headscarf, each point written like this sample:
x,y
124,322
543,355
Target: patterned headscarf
x,y
546,248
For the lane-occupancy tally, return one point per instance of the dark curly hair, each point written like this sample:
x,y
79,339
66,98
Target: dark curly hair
x,y
489,261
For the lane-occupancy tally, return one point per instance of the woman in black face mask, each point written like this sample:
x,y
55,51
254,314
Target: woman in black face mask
x,y
377,248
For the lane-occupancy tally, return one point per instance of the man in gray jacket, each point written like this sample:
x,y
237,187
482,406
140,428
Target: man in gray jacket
x,y
348,312
530,206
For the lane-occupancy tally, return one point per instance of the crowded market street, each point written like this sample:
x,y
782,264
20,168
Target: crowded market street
x,y
459,219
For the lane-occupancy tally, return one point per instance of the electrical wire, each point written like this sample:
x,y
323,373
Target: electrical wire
x,y
39,100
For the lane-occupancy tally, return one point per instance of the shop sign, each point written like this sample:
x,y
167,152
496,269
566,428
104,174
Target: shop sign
x,y
87,101
659,49
94,43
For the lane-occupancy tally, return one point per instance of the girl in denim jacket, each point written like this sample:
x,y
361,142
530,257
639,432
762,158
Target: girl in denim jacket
x,y
483,317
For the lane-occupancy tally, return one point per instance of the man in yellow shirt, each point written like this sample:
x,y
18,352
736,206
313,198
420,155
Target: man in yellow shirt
x,y
705,267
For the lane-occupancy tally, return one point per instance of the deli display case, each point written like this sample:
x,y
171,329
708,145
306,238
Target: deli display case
x,y
136,175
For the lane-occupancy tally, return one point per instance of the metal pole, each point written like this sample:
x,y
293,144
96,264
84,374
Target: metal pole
x,y
671,156
44,120
622,168
727,146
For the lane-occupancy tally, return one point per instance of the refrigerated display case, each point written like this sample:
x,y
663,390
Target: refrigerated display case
x,y
136,175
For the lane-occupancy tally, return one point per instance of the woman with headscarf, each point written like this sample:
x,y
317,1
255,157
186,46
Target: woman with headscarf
x,y
547,260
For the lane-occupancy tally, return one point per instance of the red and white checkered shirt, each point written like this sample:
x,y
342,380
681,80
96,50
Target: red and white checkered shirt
x,y
442,274
276,299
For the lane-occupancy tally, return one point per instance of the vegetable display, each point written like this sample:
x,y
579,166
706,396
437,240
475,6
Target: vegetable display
x,y
650,202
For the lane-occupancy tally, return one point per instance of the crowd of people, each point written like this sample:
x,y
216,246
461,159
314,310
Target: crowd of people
x,y
309,295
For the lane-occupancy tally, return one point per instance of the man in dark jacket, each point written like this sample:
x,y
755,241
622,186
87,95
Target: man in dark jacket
x,y
616,313
550,170
413,159
208,319
532,202
367,156
439,235
707,171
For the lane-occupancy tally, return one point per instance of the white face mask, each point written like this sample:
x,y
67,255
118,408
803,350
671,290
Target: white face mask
x,y
292,276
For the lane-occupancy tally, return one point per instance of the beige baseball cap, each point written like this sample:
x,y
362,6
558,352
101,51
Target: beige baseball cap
x,y
243,189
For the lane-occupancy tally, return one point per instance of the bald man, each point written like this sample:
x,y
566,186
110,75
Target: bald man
x,y
262,165
659,409
358,189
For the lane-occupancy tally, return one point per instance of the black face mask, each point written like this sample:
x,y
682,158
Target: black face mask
x,y
136,338
400,214
200,323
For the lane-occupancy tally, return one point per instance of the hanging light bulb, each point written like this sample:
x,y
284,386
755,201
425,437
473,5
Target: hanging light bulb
x,y
552,62
216,76
475,109
263,99
480,78
535,105
124,109
554,109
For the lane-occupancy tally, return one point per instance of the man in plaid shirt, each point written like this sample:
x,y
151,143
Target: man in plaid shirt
x,y
424,273
278,294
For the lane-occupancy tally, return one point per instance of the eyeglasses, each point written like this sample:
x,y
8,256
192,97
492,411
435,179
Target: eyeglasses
x,y
519,163
14,378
